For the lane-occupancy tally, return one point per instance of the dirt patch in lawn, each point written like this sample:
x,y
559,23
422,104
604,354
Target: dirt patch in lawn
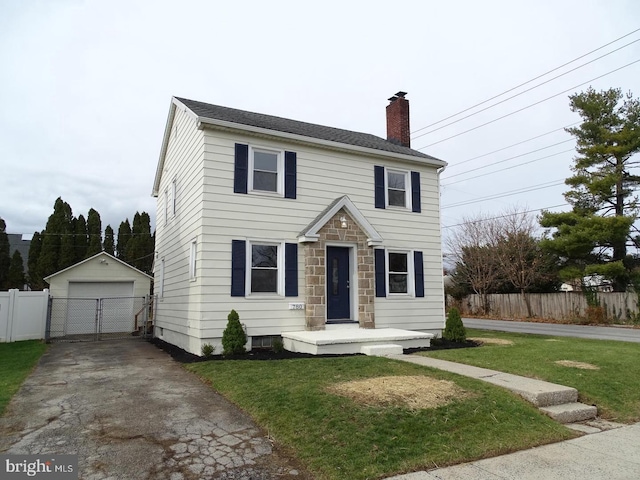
x,y
413,392
492,341
581,365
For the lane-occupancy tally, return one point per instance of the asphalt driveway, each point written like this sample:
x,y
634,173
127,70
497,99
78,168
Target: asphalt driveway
x,y
130,412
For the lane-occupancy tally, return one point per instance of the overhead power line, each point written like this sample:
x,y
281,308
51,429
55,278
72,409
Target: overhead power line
x,y
522,92
510,158
531,105
527,82
508,168
511,146
510,193
504,216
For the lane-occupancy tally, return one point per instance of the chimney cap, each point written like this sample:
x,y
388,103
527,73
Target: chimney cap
x,y
397,96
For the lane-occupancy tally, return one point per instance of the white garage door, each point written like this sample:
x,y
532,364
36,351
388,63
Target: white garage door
x,y
109,304
100,289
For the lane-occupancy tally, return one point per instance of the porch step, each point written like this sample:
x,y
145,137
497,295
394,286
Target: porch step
x,y
381,350
352,340
570,412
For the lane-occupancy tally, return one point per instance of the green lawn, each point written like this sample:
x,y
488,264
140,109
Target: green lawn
x,y
17,360
338,438
614,388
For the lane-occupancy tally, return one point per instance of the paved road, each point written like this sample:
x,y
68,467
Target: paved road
x,y
580,331
130,412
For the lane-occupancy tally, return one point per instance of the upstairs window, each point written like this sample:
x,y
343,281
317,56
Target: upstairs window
x,y
397,188
262,170
266,171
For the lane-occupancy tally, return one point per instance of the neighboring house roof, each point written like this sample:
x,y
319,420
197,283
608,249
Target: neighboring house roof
x,y
216,115
310,233
17,243
105,254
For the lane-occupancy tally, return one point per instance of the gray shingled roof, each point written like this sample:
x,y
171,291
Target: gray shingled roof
x,y
298,128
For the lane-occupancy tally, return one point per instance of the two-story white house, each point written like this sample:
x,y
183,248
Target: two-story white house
x,y
298,227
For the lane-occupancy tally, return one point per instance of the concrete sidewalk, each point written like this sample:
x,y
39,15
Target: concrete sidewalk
x,y
613,454
557,401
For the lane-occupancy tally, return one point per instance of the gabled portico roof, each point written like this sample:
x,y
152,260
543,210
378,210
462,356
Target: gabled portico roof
x,y
310,233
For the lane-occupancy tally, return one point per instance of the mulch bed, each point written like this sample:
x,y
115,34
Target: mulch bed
x,y
182,356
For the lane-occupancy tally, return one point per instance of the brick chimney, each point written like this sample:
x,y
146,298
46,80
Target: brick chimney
x,y
398,120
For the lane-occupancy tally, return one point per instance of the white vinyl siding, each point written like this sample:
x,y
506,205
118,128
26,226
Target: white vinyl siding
x,y
178,310
323,175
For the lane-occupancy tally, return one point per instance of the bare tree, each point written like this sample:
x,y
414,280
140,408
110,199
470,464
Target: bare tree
x,y
521,260
470,247
490,252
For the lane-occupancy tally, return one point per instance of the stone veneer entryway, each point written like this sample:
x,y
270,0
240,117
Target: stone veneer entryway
x,y
315,271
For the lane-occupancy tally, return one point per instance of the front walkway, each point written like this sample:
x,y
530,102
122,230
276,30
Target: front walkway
x,y
130,412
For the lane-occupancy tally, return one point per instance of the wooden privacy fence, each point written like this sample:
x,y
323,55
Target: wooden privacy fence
x,y
617,306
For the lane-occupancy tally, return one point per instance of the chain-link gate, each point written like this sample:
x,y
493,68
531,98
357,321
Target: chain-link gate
x,y
92,319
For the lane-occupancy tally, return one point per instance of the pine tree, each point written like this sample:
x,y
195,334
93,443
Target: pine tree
x,y
49,260
16,278
94,229
141,245
108,240
124,236
593,236
5,256
35,278
81,239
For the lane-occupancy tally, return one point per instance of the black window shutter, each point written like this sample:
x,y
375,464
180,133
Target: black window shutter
x,y
419,273
291,269
415,192
241,170
238,267
381,289
378,178
290,167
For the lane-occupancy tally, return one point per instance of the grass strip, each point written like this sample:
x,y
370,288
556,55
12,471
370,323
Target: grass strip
x,y
17,360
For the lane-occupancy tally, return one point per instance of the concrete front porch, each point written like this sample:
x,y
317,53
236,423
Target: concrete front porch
x,y
370,341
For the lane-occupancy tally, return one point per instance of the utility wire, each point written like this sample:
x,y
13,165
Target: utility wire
x,y
508,168
504,216
511,146
532,188
520,93
527,82
507,159
529,106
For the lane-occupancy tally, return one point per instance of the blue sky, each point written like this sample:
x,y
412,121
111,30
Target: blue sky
x,y
85,88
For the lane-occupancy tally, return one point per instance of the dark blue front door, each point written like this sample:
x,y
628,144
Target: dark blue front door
x,y
337,271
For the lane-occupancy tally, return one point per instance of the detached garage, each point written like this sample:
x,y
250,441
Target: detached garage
x,y
100,295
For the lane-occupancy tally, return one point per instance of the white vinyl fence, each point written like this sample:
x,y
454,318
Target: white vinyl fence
x,y
618,307
23,315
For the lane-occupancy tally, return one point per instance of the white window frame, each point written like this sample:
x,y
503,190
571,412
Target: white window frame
x,y
173,196
280,265
280,170
411,281
193,253
161,279
166,206
407,188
